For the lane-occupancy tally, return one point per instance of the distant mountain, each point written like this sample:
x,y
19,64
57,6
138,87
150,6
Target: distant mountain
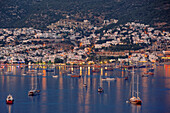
x,y
40,13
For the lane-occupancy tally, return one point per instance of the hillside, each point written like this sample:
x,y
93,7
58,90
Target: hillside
x,y
40,13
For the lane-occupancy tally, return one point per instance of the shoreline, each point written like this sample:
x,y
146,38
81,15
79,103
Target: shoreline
x,y
75,65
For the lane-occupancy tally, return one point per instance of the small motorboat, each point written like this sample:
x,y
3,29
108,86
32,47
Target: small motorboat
x,y
55,76
75,75
8,72
24,74
9,99
100,89
126,78
85,85
69,74
108,69
148,73
49,70
32,71
151,70
108,79
145,75
39,74
32,93
96,70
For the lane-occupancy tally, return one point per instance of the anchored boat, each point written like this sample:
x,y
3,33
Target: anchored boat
x,y
135,99
9,99
34,91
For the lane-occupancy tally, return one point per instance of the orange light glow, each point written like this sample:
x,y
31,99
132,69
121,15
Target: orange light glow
x,y
44,82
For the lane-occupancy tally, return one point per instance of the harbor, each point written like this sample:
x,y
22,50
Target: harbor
x,y
67,94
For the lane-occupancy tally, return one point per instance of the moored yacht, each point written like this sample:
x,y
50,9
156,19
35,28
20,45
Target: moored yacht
x,y
135,100
34,91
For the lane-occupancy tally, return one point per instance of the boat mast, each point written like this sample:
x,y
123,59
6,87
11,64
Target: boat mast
x,y
32,81
54,70
85,76
36,80
133,82
137,85
100,81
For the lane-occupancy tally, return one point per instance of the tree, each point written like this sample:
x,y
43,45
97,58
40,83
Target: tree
x,y
26,61
57,60
49,62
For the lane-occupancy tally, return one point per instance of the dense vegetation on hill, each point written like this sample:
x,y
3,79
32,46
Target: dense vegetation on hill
x,y
40,13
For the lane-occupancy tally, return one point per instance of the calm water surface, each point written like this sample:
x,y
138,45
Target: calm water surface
x,y
68,95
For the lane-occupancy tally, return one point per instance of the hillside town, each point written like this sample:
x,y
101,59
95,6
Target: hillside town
x,y
79,42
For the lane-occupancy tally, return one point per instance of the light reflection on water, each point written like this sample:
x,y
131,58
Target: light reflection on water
x,y
9,107
66,94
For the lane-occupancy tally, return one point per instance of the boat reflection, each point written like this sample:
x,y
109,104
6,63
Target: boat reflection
x,y
136,108
9,107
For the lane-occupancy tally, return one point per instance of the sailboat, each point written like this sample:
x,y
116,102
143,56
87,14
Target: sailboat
x,y
126,76
135,100
149,72
100,89
24,72
39,71
49,69
34,91
108,68
75,75
55,76
85,83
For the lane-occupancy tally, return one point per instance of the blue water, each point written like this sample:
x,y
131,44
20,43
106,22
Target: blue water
x,y
68,95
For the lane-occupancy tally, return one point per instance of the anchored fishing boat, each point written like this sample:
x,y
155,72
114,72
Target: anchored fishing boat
x,y
9,99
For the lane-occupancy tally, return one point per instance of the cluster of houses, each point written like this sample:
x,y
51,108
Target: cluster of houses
x,y
18,44
138,33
